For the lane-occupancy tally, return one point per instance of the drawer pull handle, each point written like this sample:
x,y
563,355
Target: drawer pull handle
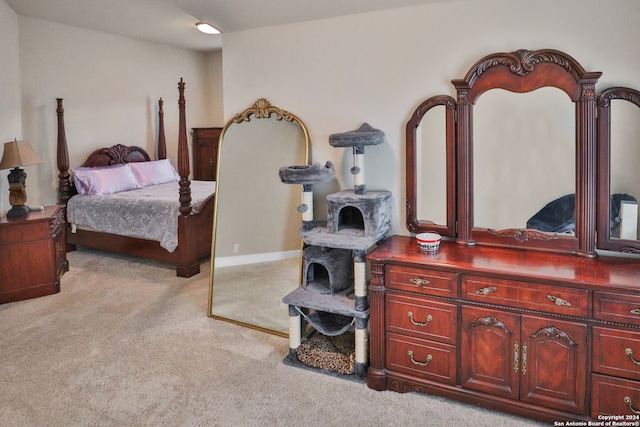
x,y
629,353
559,301
635,311
516,356
486,291
415,362
420,282
627,400
524,358
429,319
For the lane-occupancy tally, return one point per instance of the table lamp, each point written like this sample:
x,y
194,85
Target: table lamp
x,y
15,155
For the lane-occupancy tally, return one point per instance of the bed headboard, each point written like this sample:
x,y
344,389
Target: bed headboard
x,y
115,155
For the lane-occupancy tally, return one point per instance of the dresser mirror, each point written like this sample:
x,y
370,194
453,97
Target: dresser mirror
x,y
618,173
431,203
255,256
520,144
520,164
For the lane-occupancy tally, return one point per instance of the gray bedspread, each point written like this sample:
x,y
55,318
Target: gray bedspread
x,y
149,213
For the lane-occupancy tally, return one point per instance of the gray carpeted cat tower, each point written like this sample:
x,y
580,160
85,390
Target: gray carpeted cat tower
x,y
329,313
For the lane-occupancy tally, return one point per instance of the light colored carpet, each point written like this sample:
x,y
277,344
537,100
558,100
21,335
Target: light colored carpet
x,y
126,343
235,293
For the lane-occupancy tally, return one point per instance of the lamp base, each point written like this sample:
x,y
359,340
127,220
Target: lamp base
x,y
18,211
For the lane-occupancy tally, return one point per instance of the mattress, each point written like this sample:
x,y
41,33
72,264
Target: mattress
x,y
148,213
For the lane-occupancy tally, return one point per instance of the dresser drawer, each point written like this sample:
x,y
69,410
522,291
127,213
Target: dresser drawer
x,y
616,352
552,299
422,281
421,358
421,318
614,396
624,308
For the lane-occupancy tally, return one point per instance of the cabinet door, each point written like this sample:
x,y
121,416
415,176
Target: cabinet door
x,y
490,349
554,363
205,153
205,161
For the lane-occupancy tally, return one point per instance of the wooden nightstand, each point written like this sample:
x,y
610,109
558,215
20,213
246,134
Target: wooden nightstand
x,y
33,256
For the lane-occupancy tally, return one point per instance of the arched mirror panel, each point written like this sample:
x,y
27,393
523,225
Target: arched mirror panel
x,y
524,161
618,173
533,74
430,167
255,257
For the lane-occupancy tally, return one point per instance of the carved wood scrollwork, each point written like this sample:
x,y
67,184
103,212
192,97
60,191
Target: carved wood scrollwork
x,y
523,235
554,333
117,154
490,322
522,62
624,93
377,275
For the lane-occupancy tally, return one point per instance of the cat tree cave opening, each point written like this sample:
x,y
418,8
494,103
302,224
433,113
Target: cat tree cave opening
x,y
350,220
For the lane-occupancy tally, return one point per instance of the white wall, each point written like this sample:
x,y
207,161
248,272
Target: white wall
x,y
10,118
377,67
213,88
110,86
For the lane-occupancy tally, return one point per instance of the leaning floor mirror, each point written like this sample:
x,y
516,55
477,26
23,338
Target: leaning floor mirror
x,y
255,252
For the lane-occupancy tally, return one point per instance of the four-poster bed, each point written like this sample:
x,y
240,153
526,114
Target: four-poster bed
x,y
101,181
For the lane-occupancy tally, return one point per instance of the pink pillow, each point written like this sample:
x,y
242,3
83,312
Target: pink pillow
x,y
104,180
154,172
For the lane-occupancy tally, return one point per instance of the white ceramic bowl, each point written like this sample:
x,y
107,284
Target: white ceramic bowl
x,y
428,242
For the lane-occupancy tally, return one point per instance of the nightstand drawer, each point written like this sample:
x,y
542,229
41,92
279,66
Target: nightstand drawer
x,y
422,358
624,308
532,296
616,352
613,396
422,281
421,318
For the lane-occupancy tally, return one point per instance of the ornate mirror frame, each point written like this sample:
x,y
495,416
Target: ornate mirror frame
x,y
415,224
604,169
524,71
261,109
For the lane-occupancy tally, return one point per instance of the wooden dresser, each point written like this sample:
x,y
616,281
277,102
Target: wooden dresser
x,y
547,336
32,254
205,153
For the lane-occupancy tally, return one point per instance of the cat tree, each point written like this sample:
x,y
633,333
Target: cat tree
x,y
332,299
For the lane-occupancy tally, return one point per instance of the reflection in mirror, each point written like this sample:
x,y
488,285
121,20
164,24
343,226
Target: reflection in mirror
x,y
523,155
431,176
255,258
624,172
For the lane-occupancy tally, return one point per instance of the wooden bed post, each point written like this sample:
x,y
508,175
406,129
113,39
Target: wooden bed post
x,y
183,155
64,183
162,142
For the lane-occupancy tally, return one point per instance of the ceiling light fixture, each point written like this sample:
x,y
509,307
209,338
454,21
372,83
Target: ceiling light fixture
x,y
207,28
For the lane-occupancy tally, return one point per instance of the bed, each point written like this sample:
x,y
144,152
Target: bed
x,y
120,200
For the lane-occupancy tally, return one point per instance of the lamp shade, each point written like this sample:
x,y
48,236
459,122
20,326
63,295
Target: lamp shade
x,y
18,153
